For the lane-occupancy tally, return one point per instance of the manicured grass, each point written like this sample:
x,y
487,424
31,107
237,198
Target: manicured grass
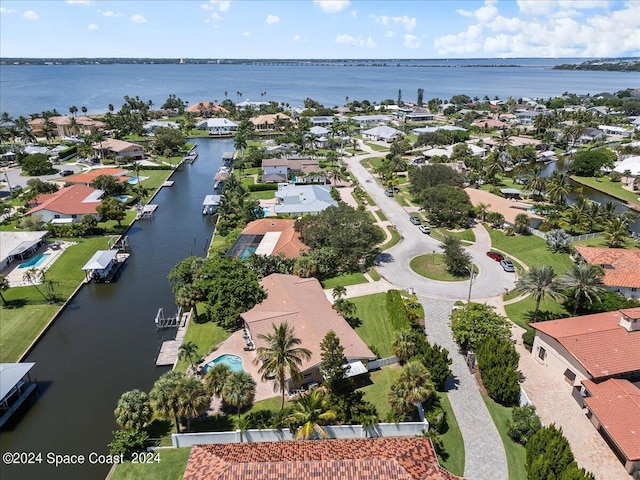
x,y
155,180
27,312
344,280
375,328
521,312
264,195
395,238
452,439
377,391
376,147
511,295
516,453
272,403
373,273
381,215
502,182
530,249
604,184
432,266
170,467
206,335
466,235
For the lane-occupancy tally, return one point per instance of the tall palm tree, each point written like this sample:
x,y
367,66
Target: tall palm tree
x,y
281,356
164,396
616,232
239,391
215,379
339,291
240,144
4,285
33,276
540,281
404,345
413,385
585,279
482,209
192,399
189,351
310,411
133,410
558,187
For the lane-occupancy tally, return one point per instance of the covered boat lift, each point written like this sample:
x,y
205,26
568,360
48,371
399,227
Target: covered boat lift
x,y
210,204
15,388
103,265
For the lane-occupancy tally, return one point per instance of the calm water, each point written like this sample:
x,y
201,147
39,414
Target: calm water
x,y
29,89
105,342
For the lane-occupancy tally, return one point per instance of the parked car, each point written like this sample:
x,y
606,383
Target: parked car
x,y
389,192
425,229
415,220
496,256
66,173
507,266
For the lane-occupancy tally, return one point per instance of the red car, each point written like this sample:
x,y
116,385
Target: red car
x,y
496,256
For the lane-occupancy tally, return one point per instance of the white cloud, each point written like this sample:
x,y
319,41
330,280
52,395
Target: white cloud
x,y
411,41
332,6
214,16
554,28
356,41
298,38
109,13
354,13
464,13
246,34
272,19
6,11
218,5
408,23
80,2
137,18
93,26
390,34
30,15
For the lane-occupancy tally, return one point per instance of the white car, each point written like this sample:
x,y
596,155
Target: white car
x,y
425,229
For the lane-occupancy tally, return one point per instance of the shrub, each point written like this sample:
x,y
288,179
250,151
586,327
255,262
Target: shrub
x,y
127,442
436,359
548,453
558,240
498,365
262,187
527,338
524,424
396,311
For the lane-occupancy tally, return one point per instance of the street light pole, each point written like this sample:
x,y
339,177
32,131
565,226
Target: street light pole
x,y
471,275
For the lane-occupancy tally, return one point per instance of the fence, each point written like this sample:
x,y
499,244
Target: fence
x,y
405,429
543,235
382,362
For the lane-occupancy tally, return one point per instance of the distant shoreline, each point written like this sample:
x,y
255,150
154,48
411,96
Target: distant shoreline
x,y
576,63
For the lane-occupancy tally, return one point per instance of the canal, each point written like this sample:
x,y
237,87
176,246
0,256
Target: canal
x,y
105,341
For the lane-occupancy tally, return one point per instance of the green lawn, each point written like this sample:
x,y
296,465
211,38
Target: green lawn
x,y
344,280
530,249
395,238
466,235
432,266
452,439
27,312
376,392
264,195
381,215
170,467
375,328
206,335
522,311
516,453
604,184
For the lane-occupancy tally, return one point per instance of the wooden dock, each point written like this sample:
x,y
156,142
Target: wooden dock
x,y
169,350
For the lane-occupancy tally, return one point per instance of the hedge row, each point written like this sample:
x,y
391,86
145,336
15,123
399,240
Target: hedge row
x,y
261,187
498,365
397,311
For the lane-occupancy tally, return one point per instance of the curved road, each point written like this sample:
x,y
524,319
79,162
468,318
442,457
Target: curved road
x,y
485,457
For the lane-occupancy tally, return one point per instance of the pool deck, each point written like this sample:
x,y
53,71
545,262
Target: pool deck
x,y
14,274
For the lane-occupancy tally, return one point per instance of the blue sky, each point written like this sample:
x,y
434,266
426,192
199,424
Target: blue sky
x,y
320,29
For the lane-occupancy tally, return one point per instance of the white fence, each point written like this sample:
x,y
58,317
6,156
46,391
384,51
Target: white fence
x,y
383,362
405,429
543,235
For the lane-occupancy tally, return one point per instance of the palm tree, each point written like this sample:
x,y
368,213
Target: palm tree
x,y
585,279
239,391
215,379
413,385
33,275
73,110
540,281
189,351
310,411
164,396
133,410
404,345
339,291
4,285
482,209
192,399
188,296
616,232
240,144
281,356
558,187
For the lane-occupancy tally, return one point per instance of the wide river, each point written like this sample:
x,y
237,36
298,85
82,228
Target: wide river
x,y
25,89
105,342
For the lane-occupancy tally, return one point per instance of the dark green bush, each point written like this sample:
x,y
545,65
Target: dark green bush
x,y
498,365
262,187
397,311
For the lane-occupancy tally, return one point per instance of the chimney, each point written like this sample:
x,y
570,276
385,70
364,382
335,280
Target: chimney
x,y
630,319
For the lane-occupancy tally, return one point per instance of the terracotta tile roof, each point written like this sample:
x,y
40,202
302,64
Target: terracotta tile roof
x,y
68,201
598,342
90,176
195,108
621,266
269,119
616,405
288,243
117,146
345,459
301,303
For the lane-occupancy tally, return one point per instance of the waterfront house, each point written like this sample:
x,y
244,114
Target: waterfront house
x,y
382,134
303,305
303,199
67,126
632,164
207,109
510,209
19,245
446,128
218,127
371,120
67,205
268,236
590,134
151,127
267,123
621,268
407,458
303,170
323,121
119,148
87,178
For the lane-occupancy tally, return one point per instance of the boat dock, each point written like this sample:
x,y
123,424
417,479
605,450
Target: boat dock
x,y
145,211
168,183
210,204
170,349
191,157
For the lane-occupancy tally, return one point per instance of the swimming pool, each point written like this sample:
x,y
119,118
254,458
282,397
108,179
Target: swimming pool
x,y
123,198
266,211
134,180
246,253
234,362
35,261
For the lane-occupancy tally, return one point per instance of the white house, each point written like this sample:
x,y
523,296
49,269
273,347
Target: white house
x,y
218,126
19,245
383,133
302,199
67,205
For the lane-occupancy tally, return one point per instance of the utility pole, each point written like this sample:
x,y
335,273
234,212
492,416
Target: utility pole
x,y
471,277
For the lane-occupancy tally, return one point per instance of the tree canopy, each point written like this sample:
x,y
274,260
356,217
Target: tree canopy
x,y
475,322
589,162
